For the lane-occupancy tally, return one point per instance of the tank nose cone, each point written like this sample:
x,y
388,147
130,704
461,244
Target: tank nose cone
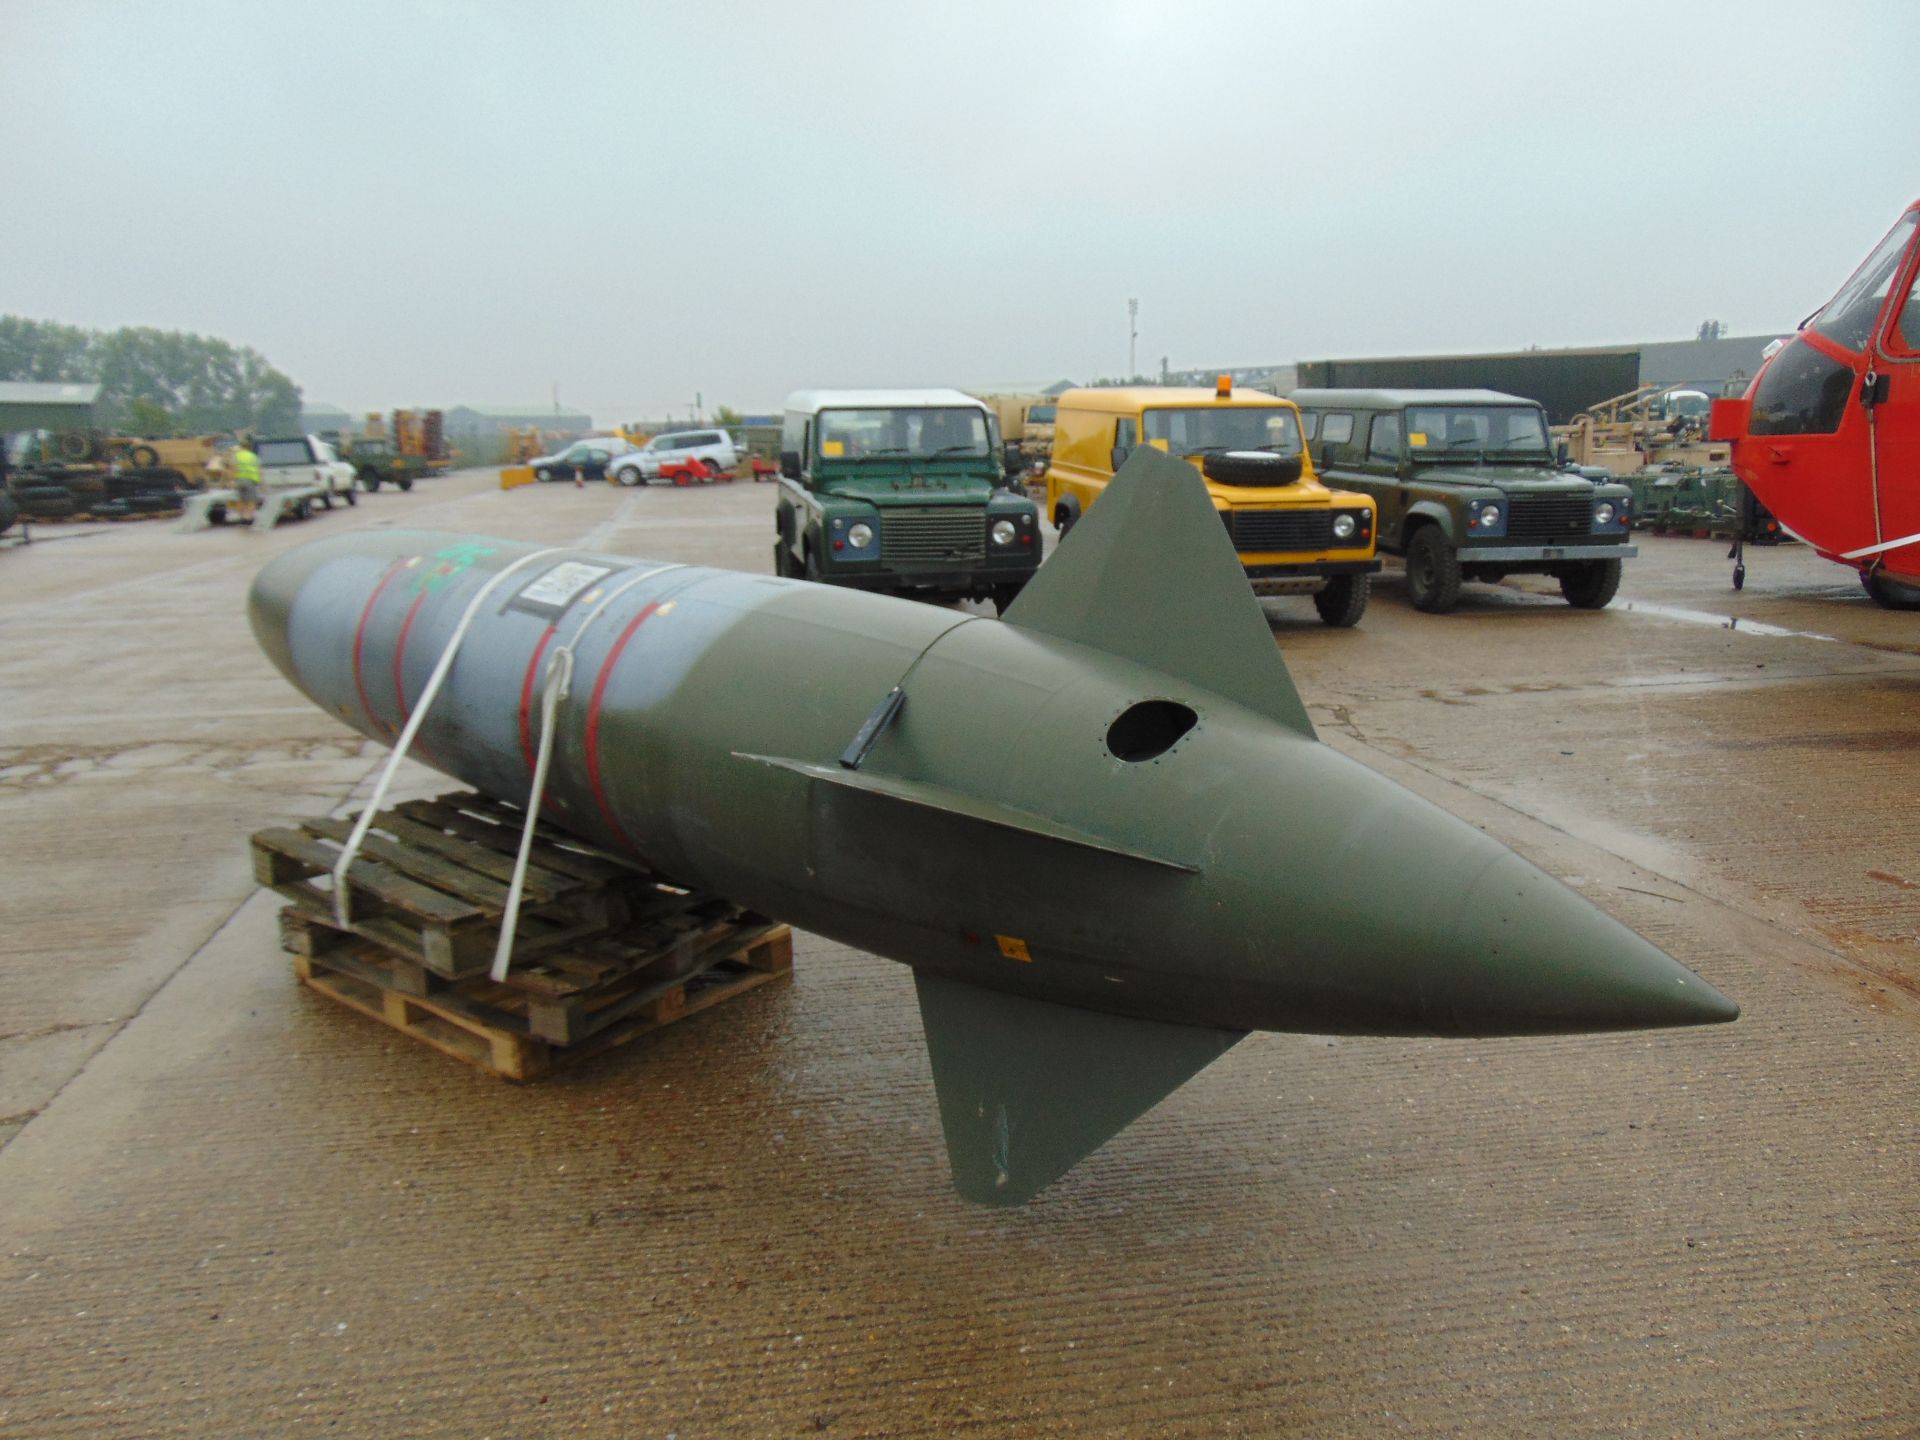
x,y
1535,957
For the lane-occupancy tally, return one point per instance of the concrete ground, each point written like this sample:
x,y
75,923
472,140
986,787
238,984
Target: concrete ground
x,y
228,1207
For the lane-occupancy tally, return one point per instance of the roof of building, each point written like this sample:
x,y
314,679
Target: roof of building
x,y
1377,399
39,392
519,412
808,401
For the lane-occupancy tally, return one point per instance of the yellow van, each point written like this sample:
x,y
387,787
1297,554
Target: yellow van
x,y
1294,536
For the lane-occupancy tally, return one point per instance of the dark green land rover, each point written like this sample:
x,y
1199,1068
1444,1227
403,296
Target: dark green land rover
x,y
903,491
1469,489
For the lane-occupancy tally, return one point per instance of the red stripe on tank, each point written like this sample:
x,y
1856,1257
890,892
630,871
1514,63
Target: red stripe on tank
x,y
360,641
593,722
400,655
526,698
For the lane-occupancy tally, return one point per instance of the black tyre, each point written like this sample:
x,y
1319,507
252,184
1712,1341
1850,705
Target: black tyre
x,y
542,473
1005,595
1433,571
629,475
1344,600
1063,517
75,445
1592,585
145,456
370,479
352,499
812,567
1890,594
53,507
326,499
405,482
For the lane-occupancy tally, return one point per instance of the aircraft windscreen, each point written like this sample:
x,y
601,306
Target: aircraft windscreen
x,y
1226,427
1848,318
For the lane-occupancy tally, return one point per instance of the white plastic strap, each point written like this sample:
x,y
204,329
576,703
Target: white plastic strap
x,y
352,849
1866,550
557,686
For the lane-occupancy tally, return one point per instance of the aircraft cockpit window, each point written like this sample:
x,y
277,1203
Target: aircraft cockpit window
x,y
1905,334
1848,318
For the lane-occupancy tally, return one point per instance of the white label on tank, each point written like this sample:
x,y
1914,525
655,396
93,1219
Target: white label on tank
x,y
564,581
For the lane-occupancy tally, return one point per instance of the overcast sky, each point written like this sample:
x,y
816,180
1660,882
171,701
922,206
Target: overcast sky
x,y
437,203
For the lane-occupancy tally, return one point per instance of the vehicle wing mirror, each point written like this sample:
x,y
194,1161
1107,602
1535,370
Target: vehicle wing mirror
x,y
1561,453
1875,387
1011,460
790,464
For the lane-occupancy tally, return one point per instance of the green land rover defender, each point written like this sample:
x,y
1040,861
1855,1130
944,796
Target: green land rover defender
x,y
902,491
1469,489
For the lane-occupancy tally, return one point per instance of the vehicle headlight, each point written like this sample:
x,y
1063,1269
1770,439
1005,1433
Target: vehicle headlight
x,y
860,536
1003,532
1343,527
1489,515
1603,512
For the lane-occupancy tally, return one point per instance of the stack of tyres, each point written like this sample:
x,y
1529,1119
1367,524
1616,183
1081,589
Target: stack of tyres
x,y
42,498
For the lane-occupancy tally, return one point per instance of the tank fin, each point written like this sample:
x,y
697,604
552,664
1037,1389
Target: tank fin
x,y
1028,1089
928,796
1150,574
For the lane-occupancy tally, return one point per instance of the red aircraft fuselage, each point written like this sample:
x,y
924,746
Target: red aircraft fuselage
x,y
1828,433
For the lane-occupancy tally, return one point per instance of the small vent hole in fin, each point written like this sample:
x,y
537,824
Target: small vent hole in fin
x,y
1149,729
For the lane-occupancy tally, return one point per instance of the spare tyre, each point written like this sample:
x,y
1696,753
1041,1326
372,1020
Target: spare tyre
x,y
50,508
74,444
1250,467
145,456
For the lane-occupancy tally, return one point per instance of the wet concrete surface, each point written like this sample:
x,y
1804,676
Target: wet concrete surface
x,y
227,1207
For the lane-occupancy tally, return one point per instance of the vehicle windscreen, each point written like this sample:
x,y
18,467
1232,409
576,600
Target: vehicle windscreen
x,y
1476,432
1847,319
1226,427
284,452
1041,414
920,433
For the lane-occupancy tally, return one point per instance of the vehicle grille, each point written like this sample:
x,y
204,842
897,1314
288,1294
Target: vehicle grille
x,y
1550,517
947,532
1280,529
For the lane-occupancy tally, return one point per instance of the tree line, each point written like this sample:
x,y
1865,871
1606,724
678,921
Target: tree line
x,y
154,382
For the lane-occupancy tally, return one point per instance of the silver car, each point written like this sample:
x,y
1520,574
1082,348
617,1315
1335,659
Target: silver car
x,y
715,447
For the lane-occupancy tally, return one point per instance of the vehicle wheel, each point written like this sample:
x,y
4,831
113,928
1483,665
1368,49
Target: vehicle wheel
x,y
627,475
1063,519
326,499
145,456
405,482
371,480
1005,595
782,560
1344,600
542,474
352,499
1890,594
1433,572
216,514
812,568
1592,585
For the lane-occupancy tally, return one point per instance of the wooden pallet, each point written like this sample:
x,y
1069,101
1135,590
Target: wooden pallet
x,y
502,1030
604,951
430,882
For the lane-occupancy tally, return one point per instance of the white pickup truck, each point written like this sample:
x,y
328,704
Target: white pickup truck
x,y
305,460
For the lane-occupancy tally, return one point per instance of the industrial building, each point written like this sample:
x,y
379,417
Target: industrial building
x,y
38,405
